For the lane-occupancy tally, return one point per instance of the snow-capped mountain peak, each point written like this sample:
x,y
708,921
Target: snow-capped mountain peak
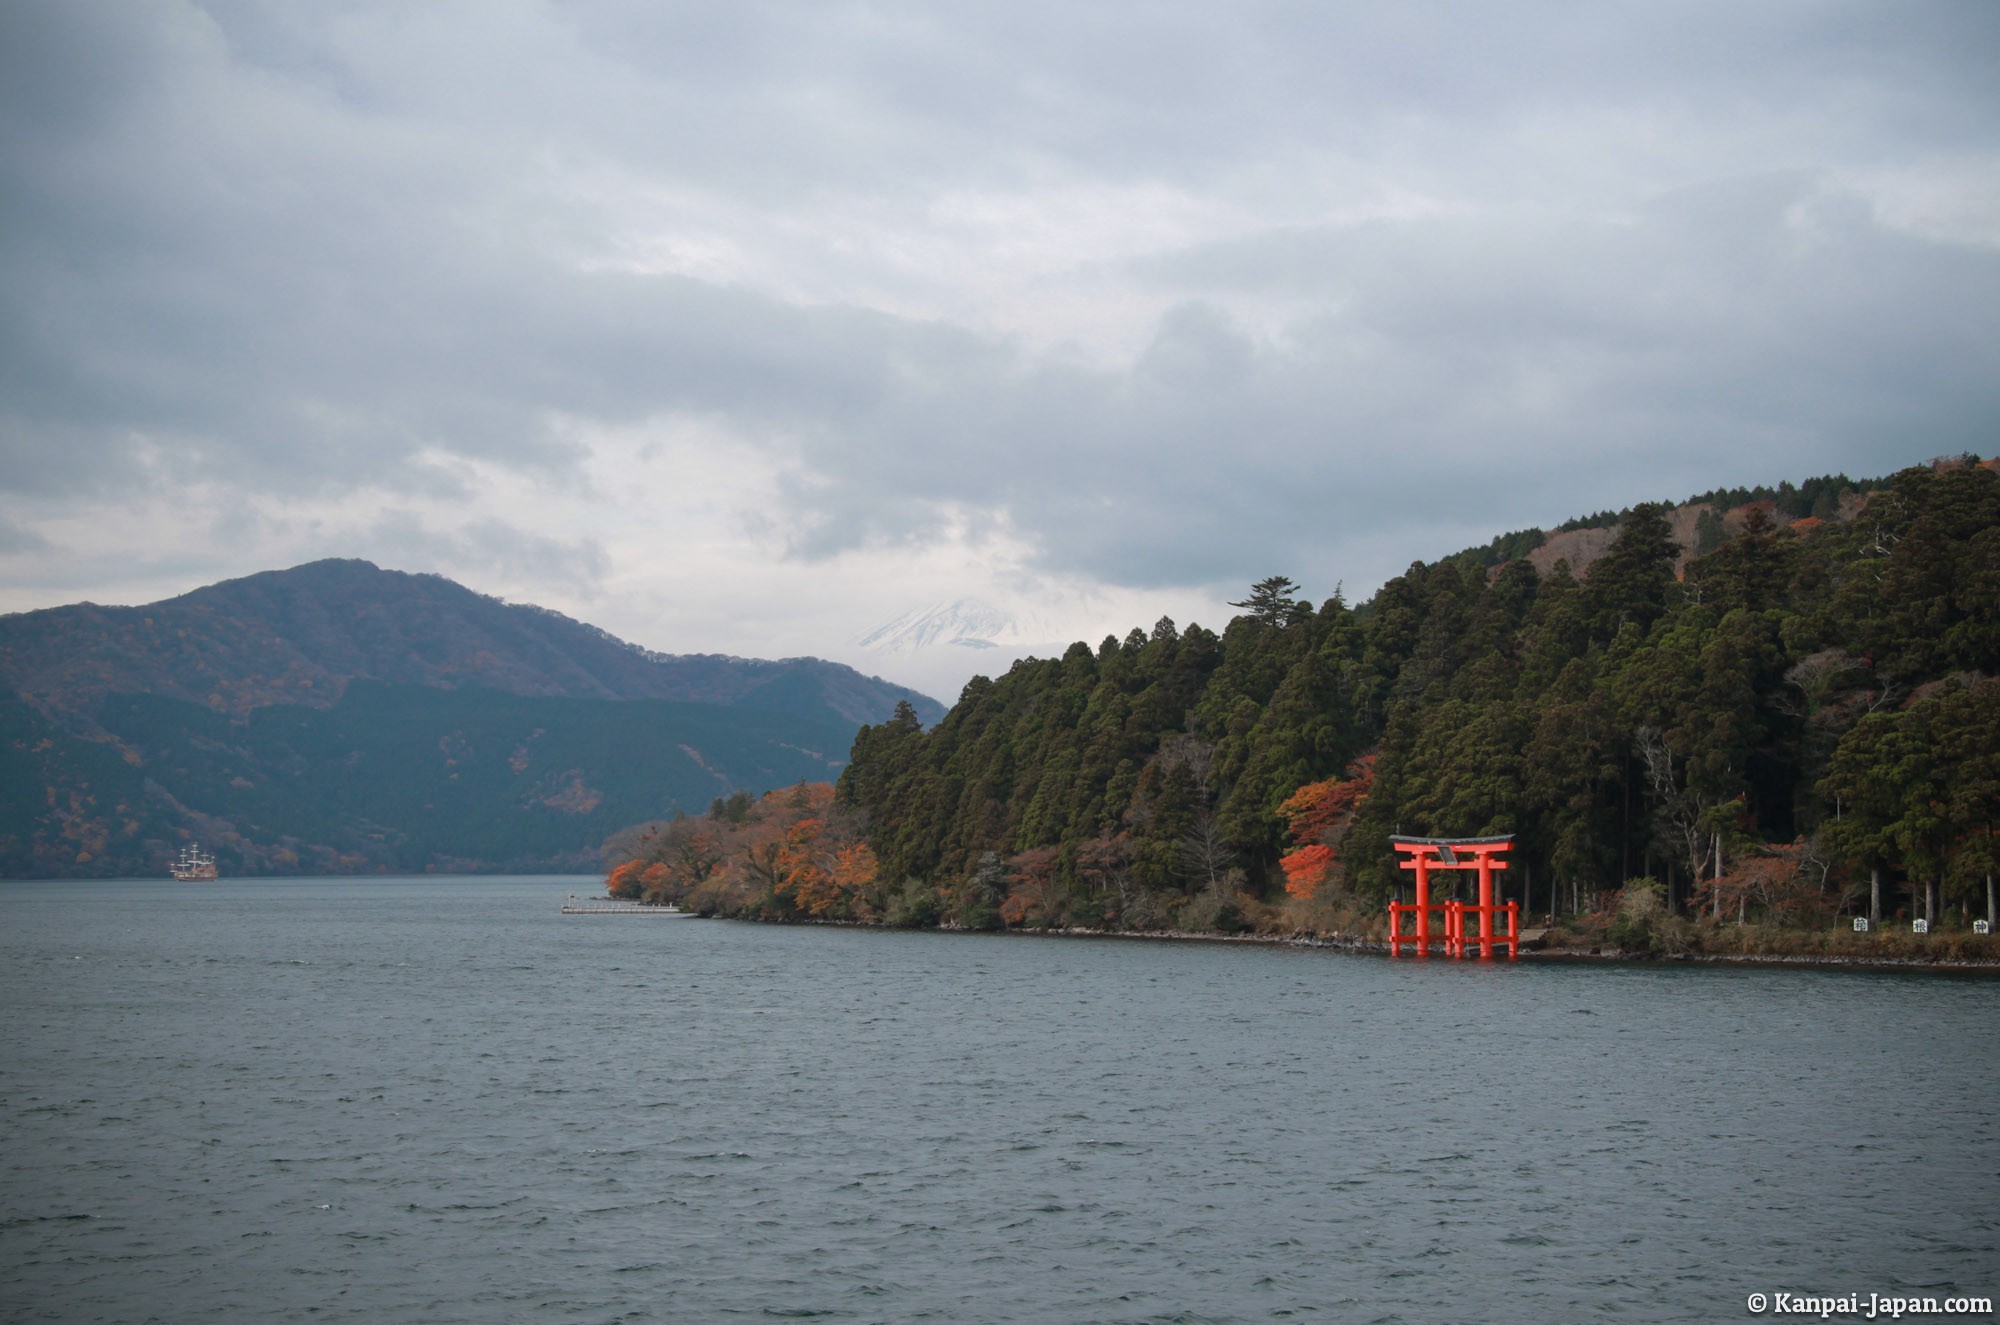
x,y
967,623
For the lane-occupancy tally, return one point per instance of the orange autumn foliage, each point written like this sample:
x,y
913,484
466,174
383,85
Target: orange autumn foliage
x,y
1319,806
790,852
1318,816
625,880
802,872
1035,895
855,868
1305,868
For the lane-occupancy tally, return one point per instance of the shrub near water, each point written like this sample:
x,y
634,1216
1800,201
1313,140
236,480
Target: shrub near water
x,y
1643,924
1637,922
1894,941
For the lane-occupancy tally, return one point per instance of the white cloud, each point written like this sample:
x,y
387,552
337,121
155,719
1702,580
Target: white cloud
x,y
1954,200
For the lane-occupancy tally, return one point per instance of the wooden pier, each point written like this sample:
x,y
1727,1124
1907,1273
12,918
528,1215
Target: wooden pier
x,y
611,906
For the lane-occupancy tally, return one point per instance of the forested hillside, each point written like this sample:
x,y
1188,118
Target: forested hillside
x,y
298,636
337,717
392,778
1766,732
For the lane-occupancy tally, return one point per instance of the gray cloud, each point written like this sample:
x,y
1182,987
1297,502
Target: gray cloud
x,y
1523,263
1758,330
14,539
490,551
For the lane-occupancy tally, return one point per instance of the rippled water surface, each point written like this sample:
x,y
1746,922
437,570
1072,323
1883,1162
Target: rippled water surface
x,y
414,1100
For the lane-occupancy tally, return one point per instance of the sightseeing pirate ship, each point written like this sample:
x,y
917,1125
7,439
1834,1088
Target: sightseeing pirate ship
x,y
193,865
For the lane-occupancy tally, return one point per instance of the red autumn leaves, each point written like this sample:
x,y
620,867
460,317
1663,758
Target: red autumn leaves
x,y
1318,816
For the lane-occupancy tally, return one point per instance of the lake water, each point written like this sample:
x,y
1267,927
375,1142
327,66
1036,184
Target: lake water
x,y
423,1100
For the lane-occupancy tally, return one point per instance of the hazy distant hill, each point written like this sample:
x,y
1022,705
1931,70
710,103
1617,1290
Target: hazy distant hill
x,y
299,636
337,716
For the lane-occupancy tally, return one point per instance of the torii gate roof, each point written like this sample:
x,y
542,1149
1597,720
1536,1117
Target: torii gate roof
x,y
1443,852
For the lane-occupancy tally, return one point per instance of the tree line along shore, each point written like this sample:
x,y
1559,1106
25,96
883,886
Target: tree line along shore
x,y
1734,752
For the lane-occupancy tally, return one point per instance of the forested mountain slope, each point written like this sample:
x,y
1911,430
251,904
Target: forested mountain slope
x,y
339,717
392,778
1767,727
299,636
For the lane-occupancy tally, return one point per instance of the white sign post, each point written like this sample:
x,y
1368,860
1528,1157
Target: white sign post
x,y
1861,924
1920,926
1981,927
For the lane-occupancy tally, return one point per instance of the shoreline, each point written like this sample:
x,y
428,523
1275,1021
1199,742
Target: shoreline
x,y
1379,948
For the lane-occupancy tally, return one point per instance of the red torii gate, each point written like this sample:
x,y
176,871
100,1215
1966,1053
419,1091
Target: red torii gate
x,y
1424,854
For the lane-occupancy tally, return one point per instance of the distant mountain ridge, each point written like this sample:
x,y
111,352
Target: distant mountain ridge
x,y
299,636
338,717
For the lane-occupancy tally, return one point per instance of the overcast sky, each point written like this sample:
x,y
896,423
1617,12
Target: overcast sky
x,y
746,327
